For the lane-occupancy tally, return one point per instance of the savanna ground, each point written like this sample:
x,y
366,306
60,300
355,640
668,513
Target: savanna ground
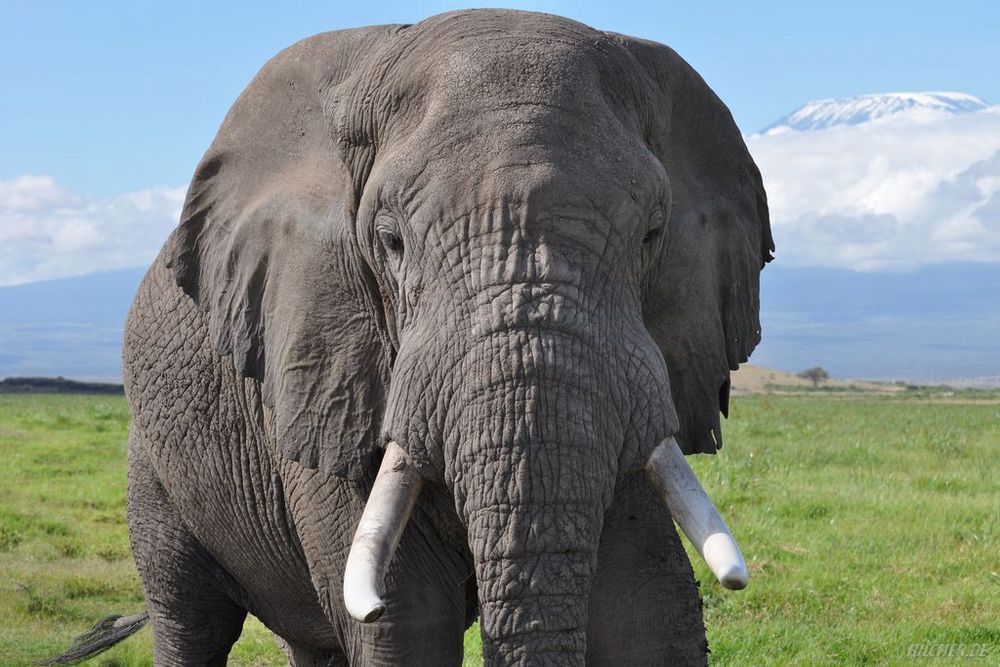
x,y
871,523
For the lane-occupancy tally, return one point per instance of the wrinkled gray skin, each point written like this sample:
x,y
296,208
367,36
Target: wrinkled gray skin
x,y
525,250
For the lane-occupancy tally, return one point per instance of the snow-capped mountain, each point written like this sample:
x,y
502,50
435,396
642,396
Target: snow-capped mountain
x,y
823,114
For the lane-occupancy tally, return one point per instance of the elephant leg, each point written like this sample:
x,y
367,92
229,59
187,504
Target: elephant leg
x,y
645,608
194,621
304,656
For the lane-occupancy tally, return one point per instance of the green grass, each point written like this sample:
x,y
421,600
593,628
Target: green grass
x,y
871,525
64,553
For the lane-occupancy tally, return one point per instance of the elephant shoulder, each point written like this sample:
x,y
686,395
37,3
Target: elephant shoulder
x,y
165,348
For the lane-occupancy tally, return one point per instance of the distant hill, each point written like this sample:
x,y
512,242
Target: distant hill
x,y
751,379
824,114
56,386
937,324
70,327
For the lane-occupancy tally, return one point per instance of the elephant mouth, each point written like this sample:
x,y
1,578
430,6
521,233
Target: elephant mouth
x,y
398,485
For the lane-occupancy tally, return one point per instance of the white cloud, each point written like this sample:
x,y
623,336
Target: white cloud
x,y
47,231
28,193
892,194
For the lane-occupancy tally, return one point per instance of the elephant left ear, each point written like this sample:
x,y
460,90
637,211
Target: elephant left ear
x,y
702,305
266,248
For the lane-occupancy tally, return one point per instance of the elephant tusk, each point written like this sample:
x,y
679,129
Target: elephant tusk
x,y
388,509
696,515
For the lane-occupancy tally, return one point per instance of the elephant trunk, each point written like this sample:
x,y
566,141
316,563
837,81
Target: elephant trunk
x,y
534,566
535,444
533,499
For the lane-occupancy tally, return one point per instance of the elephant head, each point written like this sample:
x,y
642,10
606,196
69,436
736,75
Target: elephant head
x,y
518,252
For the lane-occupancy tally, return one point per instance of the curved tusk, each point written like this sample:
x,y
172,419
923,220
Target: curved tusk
x,y
388,509
696,515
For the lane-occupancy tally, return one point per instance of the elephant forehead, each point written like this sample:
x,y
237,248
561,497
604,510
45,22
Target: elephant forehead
x,y
519,62
503,102
510,48
516,70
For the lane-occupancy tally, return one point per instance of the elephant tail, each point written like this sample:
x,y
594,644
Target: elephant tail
x,y
99,638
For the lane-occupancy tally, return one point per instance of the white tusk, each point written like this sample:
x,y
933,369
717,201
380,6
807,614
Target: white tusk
x,y
388,508
696,515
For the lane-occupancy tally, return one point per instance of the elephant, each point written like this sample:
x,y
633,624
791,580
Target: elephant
x,y
446,306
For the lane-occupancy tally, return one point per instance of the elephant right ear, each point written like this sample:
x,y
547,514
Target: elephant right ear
x,y
266,248
702,305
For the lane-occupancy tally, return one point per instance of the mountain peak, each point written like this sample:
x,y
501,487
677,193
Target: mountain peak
x,y
823,114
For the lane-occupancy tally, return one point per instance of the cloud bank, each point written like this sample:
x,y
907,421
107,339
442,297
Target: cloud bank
x,y
47,231
890,195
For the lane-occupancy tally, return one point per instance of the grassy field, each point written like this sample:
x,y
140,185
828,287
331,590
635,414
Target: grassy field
x,y
871,524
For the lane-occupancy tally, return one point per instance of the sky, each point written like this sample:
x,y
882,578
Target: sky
x,y
106,108
114,97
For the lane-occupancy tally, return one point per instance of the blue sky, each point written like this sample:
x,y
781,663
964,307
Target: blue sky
x,y
115,97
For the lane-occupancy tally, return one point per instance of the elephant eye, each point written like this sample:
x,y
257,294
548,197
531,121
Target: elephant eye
x,y
390,240
655,229
653,234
